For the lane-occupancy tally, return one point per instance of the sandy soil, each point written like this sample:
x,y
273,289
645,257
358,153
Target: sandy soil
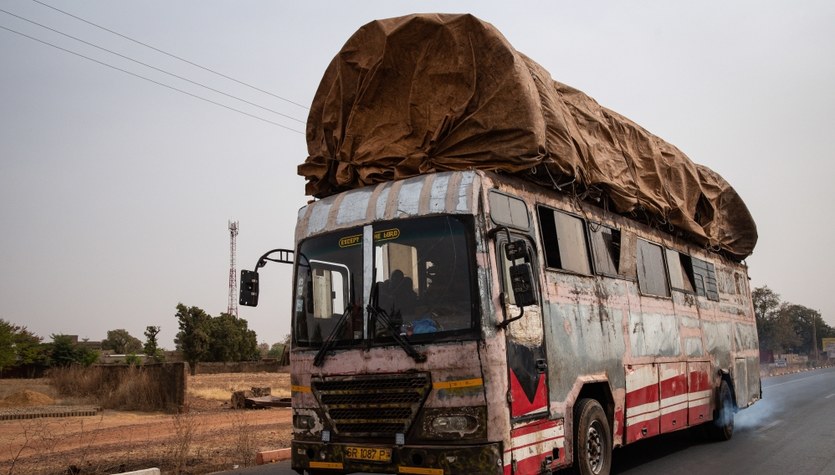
x,y
209,437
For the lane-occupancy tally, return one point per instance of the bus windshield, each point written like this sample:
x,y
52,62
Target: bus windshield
x,y
422,274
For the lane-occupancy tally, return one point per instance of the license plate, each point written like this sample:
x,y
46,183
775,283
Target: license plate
x,y
369,454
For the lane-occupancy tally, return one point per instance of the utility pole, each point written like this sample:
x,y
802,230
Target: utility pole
x,y
815,335
232,308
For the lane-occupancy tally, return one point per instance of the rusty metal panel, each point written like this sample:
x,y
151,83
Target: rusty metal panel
x,y
745,336
584,324
654,334
643,409
718,341
699,392
673,391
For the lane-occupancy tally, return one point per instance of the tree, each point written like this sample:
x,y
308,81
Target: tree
x,y
774,326
808,327
787,327
65,351
230,339
19,346
193,337
8,353
151,348
121,342
277,350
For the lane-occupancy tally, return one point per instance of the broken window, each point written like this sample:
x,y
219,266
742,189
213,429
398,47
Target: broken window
x,y
652,277
704,275
605,246
681,270
564,241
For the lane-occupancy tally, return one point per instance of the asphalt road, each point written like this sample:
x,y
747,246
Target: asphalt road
x,y
791,431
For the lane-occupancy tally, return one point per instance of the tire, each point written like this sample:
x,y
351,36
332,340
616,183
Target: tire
x,y
592,439
722,426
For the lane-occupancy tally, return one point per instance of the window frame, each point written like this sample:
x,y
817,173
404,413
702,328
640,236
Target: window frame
x,y
594,248
685,266
548,250
642,269
510,198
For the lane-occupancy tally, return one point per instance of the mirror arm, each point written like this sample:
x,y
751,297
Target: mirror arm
x,y
504,323
285,256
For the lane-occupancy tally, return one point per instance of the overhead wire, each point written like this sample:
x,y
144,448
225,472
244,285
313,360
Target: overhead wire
x,y
171,55
151,80
152,67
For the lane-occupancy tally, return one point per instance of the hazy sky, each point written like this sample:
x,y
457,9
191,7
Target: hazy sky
x,y
115,192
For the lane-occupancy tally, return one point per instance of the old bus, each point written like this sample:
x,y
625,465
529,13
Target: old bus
x,y
468,322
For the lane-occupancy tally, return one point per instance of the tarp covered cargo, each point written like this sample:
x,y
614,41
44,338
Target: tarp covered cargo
x,y
434,92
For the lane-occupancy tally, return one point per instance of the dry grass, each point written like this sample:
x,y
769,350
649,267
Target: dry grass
x,y
131,390
219,387
209,437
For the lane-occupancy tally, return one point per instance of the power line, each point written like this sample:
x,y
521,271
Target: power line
x,y
172,55
153,81
152,67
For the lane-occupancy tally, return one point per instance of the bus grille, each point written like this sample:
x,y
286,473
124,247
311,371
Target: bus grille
x,y
371,406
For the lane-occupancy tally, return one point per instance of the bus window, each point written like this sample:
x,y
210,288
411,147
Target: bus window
x,y
424,272
652,277
681,270
705,279
508,210
328,292
605,246
564,241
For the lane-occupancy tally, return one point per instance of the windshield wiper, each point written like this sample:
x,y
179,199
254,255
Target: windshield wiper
x,y
378,313
331,339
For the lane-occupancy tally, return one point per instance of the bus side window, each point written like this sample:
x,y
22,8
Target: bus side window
x,y
652,275
564,241
705,275
605,246
681,270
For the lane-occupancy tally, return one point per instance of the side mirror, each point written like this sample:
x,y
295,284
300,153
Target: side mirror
x,y
249,288
515,250
521,280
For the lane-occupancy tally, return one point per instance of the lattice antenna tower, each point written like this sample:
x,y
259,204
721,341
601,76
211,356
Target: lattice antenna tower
x,y
232,308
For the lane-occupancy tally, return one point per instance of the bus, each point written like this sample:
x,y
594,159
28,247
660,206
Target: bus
x,y
469,322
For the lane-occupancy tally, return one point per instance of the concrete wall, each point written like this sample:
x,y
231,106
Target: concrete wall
x,y
240,367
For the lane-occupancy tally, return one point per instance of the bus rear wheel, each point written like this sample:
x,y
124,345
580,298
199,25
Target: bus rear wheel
x,y
722,427
592,439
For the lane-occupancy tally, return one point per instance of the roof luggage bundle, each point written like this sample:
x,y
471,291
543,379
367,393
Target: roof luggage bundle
x,y
435,92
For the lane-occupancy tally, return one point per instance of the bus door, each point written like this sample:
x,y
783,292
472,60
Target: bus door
x,y
535,439
527,367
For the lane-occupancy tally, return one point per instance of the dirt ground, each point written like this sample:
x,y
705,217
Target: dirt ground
x,y
208,437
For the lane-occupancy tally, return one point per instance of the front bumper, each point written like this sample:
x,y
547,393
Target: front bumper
x,y
408,459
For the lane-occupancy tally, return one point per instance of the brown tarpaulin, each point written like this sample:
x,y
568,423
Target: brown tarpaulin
x,y
432,92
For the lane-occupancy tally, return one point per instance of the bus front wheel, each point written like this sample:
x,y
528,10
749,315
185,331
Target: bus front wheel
x,y
592,439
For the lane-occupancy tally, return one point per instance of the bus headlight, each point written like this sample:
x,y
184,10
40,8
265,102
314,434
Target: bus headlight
x,y
303,422
459,424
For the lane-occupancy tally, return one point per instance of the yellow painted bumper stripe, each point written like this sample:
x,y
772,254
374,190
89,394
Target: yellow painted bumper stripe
x,y
300,389
420,470
331,465
461,383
